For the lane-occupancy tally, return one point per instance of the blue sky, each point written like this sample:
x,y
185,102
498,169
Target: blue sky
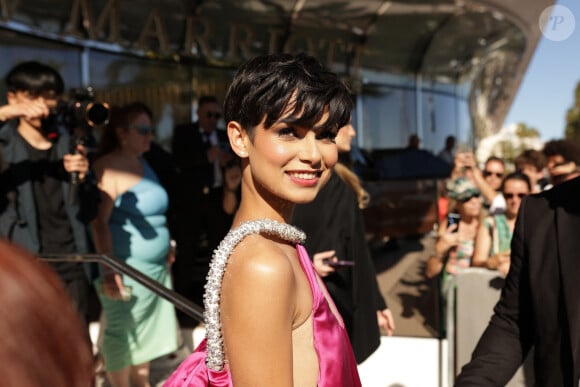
x,y
547,90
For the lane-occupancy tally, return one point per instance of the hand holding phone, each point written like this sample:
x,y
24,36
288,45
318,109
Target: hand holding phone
x,y
337,264
453,218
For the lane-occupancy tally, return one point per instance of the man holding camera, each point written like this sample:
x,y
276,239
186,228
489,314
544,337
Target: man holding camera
x,y
37,210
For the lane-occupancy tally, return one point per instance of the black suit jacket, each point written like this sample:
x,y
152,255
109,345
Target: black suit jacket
x,y
190,155
193,214
540,302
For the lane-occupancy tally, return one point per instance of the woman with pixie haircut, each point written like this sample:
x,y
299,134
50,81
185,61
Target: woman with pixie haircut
x,y
269,318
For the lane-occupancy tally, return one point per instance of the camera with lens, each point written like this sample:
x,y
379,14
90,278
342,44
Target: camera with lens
x,y
81,110
78,115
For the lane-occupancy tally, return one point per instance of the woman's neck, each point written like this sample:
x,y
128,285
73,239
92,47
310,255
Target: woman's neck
x,y
245,213
251,210
257,203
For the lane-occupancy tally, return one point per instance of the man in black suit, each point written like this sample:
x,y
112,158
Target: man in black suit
x,y
540,303
200,150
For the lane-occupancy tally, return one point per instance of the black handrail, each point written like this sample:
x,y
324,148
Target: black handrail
x,y
180,302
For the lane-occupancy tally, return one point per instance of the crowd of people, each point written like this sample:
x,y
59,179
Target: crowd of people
x,y
165,212
494,223
486,201
121,200
280,166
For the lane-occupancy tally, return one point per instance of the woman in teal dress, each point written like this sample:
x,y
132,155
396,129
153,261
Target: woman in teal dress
x,y
131,226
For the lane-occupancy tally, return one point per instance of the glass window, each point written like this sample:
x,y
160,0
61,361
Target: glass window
x,y
18,48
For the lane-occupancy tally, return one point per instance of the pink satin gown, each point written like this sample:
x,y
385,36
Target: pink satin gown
x,y
337,364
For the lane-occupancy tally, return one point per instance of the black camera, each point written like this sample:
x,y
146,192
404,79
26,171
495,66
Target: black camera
x,y
81,110
76,115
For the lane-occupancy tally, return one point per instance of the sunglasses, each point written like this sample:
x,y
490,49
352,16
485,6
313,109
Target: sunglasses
x,y
143,129
215,115
508,195
465,200
497,174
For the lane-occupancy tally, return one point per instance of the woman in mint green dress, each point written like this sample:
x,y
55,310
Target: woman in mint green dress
x,y
131,226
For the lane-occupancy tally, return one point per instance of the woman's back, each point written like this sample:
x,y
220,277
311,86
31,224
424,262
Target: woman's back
x,y
264,288
271,291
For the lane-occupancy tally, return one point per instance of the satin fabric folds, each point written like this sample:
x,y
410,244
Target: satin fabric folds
x,y
337,365
193,372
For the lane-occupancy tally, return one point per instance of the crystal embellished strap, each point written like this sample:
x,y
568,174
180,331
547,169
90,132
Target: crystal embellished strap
x,y
211,298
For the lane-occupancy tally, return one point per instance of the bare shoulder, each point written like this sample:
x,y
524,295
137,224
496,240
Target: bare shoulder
x,y
107,163
259,277
256,259
257,310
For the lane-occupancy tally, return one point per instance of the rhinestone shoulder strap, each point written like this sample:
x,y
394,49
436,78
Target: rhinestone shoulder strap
x,y
211,298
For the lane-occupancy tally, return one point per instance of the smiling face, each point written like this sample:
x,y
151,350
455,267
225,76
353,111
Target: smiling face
x,y
289,164
282,165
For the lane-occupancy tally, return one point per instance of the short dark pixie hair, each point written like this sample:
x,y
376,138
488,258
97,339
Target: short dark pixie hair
x,y
35,78
264,86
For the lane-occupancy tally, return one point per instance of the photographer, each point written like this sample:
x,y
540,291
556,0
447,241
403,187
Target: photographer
x,y
37,210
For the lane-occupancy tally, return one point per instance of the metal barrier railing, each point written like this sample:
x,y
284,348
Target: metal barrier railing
x,y
180,302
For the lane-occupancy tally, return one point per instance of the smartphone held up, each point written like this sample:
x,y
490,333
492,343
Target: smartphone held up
x,y
453,218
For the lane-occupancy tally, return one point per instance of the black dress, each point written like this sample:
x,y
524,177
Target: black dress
x,y
333,221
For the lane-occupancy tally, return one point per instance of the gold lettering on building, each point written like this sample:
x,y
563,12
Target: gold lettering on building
x,y
239,47
196,42
154,29
82,15
238,41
